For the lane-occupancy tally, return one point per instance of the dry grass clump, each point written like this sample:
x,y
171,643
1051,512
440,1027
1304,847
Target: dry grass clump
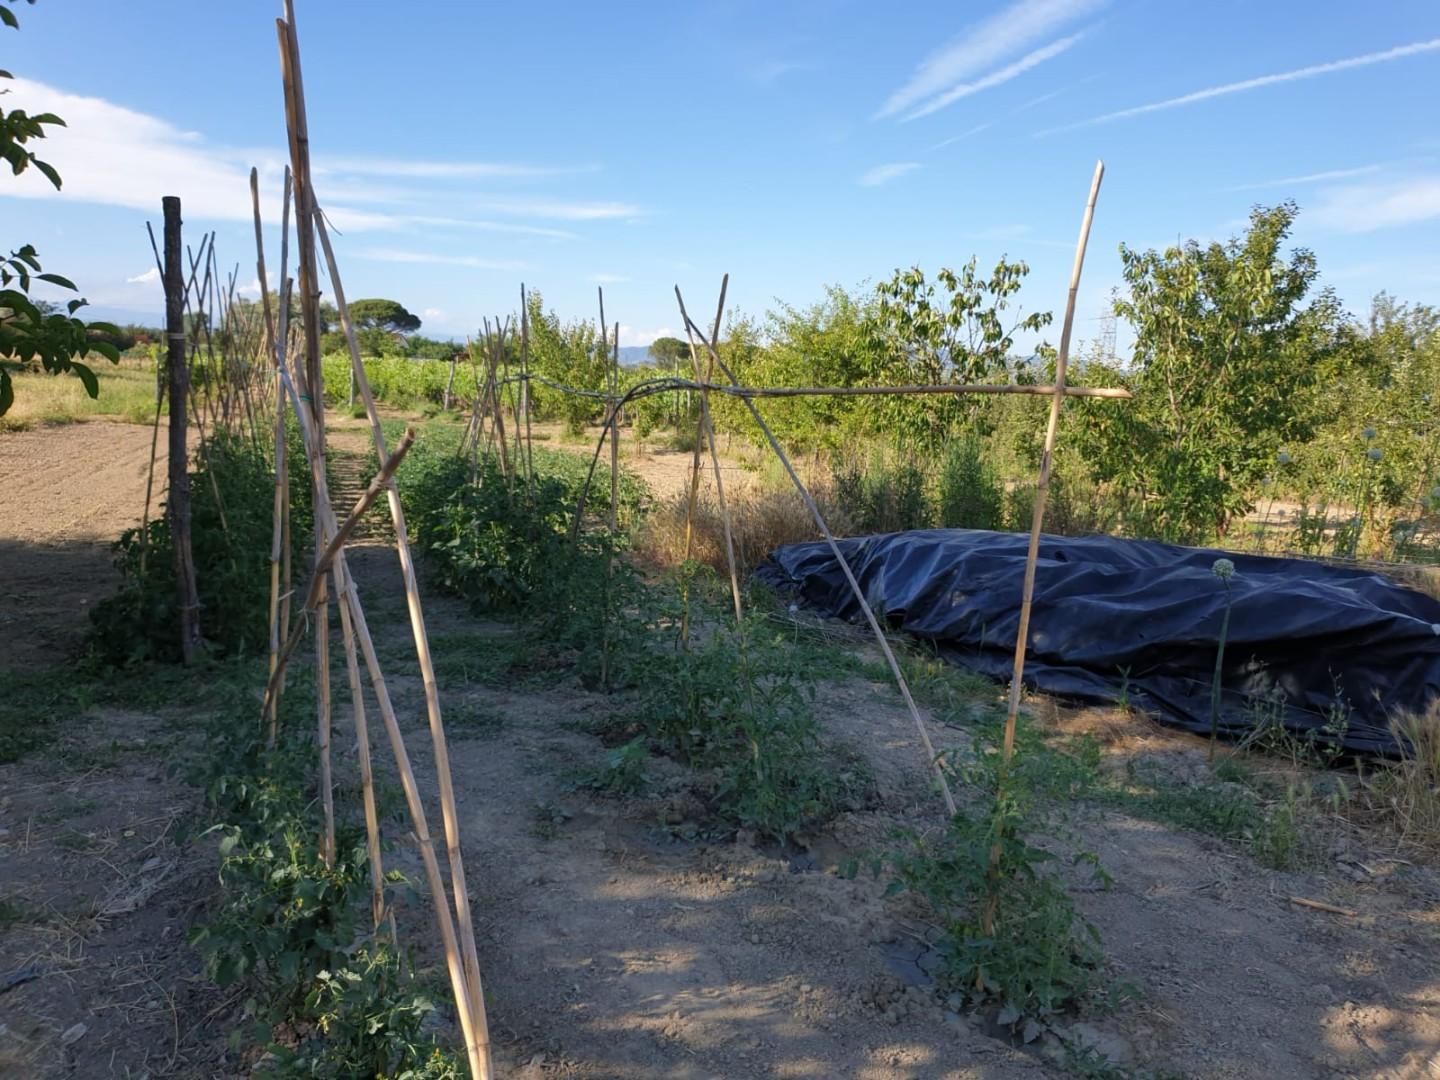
x,y
761,519
1405,793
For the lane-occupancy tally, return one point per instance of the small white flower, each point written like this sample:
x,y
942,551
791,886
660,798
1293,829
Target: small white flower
x,y
1368,433
794,608
1224,569
1374,453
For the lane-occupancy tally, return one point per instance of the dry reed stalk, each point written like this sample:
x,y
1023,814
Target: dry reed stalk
x,y
475,1000
859,594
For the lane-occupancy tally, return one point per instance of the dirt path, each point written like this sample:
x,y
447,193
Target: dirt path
x,y
66,494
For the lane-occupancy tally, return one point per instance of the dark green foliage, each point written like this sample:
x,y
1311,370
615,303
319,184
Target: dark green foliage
x,y
746,712
291,930
1012,937
232,506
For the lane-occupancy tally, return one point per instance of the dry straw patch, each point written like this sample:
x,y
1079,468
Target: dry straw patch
x,y
761,517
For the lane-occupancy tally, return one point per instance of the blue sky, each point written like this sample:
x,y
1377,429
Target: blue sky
x,y
463,147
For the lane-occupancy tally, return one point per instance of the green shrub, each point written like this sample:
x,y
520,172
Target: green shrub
x,y
969,495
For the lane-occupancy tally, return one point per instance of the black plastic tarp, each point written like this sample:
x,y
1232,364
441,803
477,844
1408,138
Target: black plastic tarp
x,y
1307,643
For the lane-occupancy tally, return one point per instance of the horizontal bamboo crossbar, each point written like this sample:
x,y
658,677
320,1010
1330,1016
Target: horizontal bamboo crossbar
x,y
666,385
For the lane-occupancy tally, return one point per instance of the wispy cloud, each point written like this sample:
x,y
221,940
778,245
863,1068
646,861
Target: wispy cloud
x,y
774,70
608,279
883,174
443,170
560,210
1308,178
995,78
1400,52
979,49
1367,207
976,130
146,278
473,262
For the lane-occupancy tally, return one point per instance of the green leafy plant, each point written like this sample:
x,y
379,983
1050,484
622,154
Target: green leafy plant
x,y
1011,935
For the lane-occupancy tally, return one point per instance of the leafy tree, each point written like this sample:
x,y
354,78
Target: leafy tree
x,y
387,315
30,330
1228,352
431,348
572,354
952,330
670,354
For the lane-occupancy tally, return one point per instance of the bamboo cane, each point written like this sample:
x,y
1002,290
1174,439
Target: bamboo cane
x,y
477,1042
694,495
525,388
707,429
844,566
1042,486
449,814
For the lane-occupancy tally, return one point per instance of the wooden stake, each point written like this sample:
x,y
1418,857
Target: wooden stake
x,y
178,373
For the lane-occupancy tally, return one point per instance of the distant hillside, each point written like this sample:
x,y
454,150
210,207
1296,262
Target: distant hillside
x,y
634,355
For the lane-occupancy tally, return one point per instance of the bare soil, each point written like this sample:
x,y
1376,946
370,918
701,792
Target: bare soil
x,y
617,937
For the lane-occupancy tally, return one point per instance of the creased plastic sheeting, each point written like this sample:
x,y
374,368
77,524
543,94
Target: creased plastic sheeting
x,y
1307,642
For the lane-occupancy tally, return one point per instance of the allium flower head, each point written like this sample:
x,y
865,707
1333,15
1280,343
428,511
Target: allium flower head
x,y
1374,453
1283,457
1224,569
1368,433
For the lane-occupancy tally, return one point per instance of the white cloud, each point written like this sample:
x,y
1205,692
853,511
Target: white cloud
x,y
982,46
441,170
1308,178
1366,207
630,335
213,182
434,313
1397,53
151,275
883,174
976,130
995,78
608,279
473,262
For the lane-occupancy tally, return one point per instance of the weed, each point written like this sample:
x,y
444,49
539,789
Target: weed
x,y
621,773
16,912
475,720
546,819
35,706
